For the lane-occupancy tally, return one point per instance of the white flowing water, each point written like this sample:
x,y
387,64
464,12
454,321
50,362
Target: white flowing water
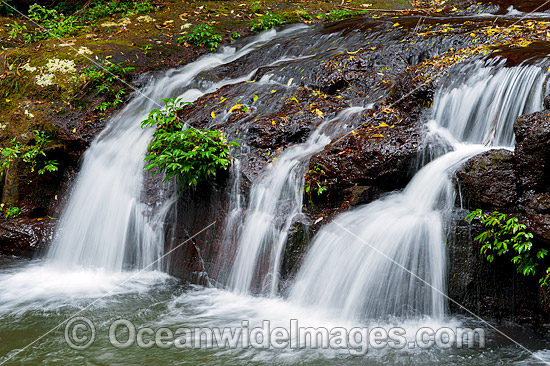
x,y
275,201
104,218
388,258
38,296
106,233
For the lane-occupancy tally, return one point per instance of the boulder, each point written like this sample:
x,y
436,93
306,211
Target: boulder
x,y
488,180
23,236
533,151
372,156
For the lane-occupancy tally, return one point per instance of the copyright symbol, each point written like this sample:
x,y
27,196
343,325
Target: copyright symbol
x,y
79,333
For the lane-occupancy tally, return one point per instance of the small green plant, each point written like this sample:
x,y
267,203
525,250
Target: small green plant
x,y
504,234
234,36
146,48
314,181
339,14
266,21
12,212
103,81
190,155
32,153
5,8
202,35
51,24
256,7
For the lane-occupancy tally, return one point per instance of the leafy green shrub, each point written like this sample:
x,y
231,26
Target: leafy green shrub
x,y
5,8
52,24
12,212
100,9
504,234
339,14
103,80
266,21
202,35
32,154
190,155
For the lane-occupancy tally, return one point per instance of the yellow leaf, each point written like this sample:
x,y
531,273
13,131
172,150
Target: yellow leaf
x,y
319,113
74,130
354,133
472,34
396,25
213,114
236,107
273,91
377,135
273,123
353,53
383,124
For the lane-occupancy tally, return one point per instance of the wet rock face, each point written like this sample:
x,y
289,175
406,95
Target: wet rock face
x,y
533,151
488,180
23,236
517,184
265,118
494,290
372,156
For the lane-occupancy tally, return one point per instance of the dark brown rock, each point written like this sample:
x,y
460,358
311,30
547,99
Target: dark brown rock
x,y
23,236
488,180
490,290
533,151
382,157
276,119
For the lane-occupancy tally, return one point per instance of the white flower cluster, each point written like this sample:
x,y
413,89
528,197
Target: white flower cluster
x,y
28,67
46,75
145,19
61,66
84,51
45,79
123,23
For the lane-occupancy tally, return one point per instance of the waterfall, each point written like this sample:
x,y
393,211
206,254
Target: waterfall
x,y
105,224
275,201
388,258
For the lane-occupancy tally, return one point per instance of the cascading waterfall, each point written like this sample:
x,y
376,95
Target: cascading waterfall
x,y
365,259
104,218
275,201
481,104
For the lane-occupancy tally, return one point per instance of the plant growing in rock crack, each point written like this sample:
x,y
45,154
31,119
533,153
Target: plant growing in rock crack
x,y
314,181
266,21
202,35
11,211
505,234
32,153
191,155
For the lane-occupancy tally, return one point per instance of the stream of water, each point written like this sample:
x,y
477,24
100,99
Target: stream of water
x,y
379,265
